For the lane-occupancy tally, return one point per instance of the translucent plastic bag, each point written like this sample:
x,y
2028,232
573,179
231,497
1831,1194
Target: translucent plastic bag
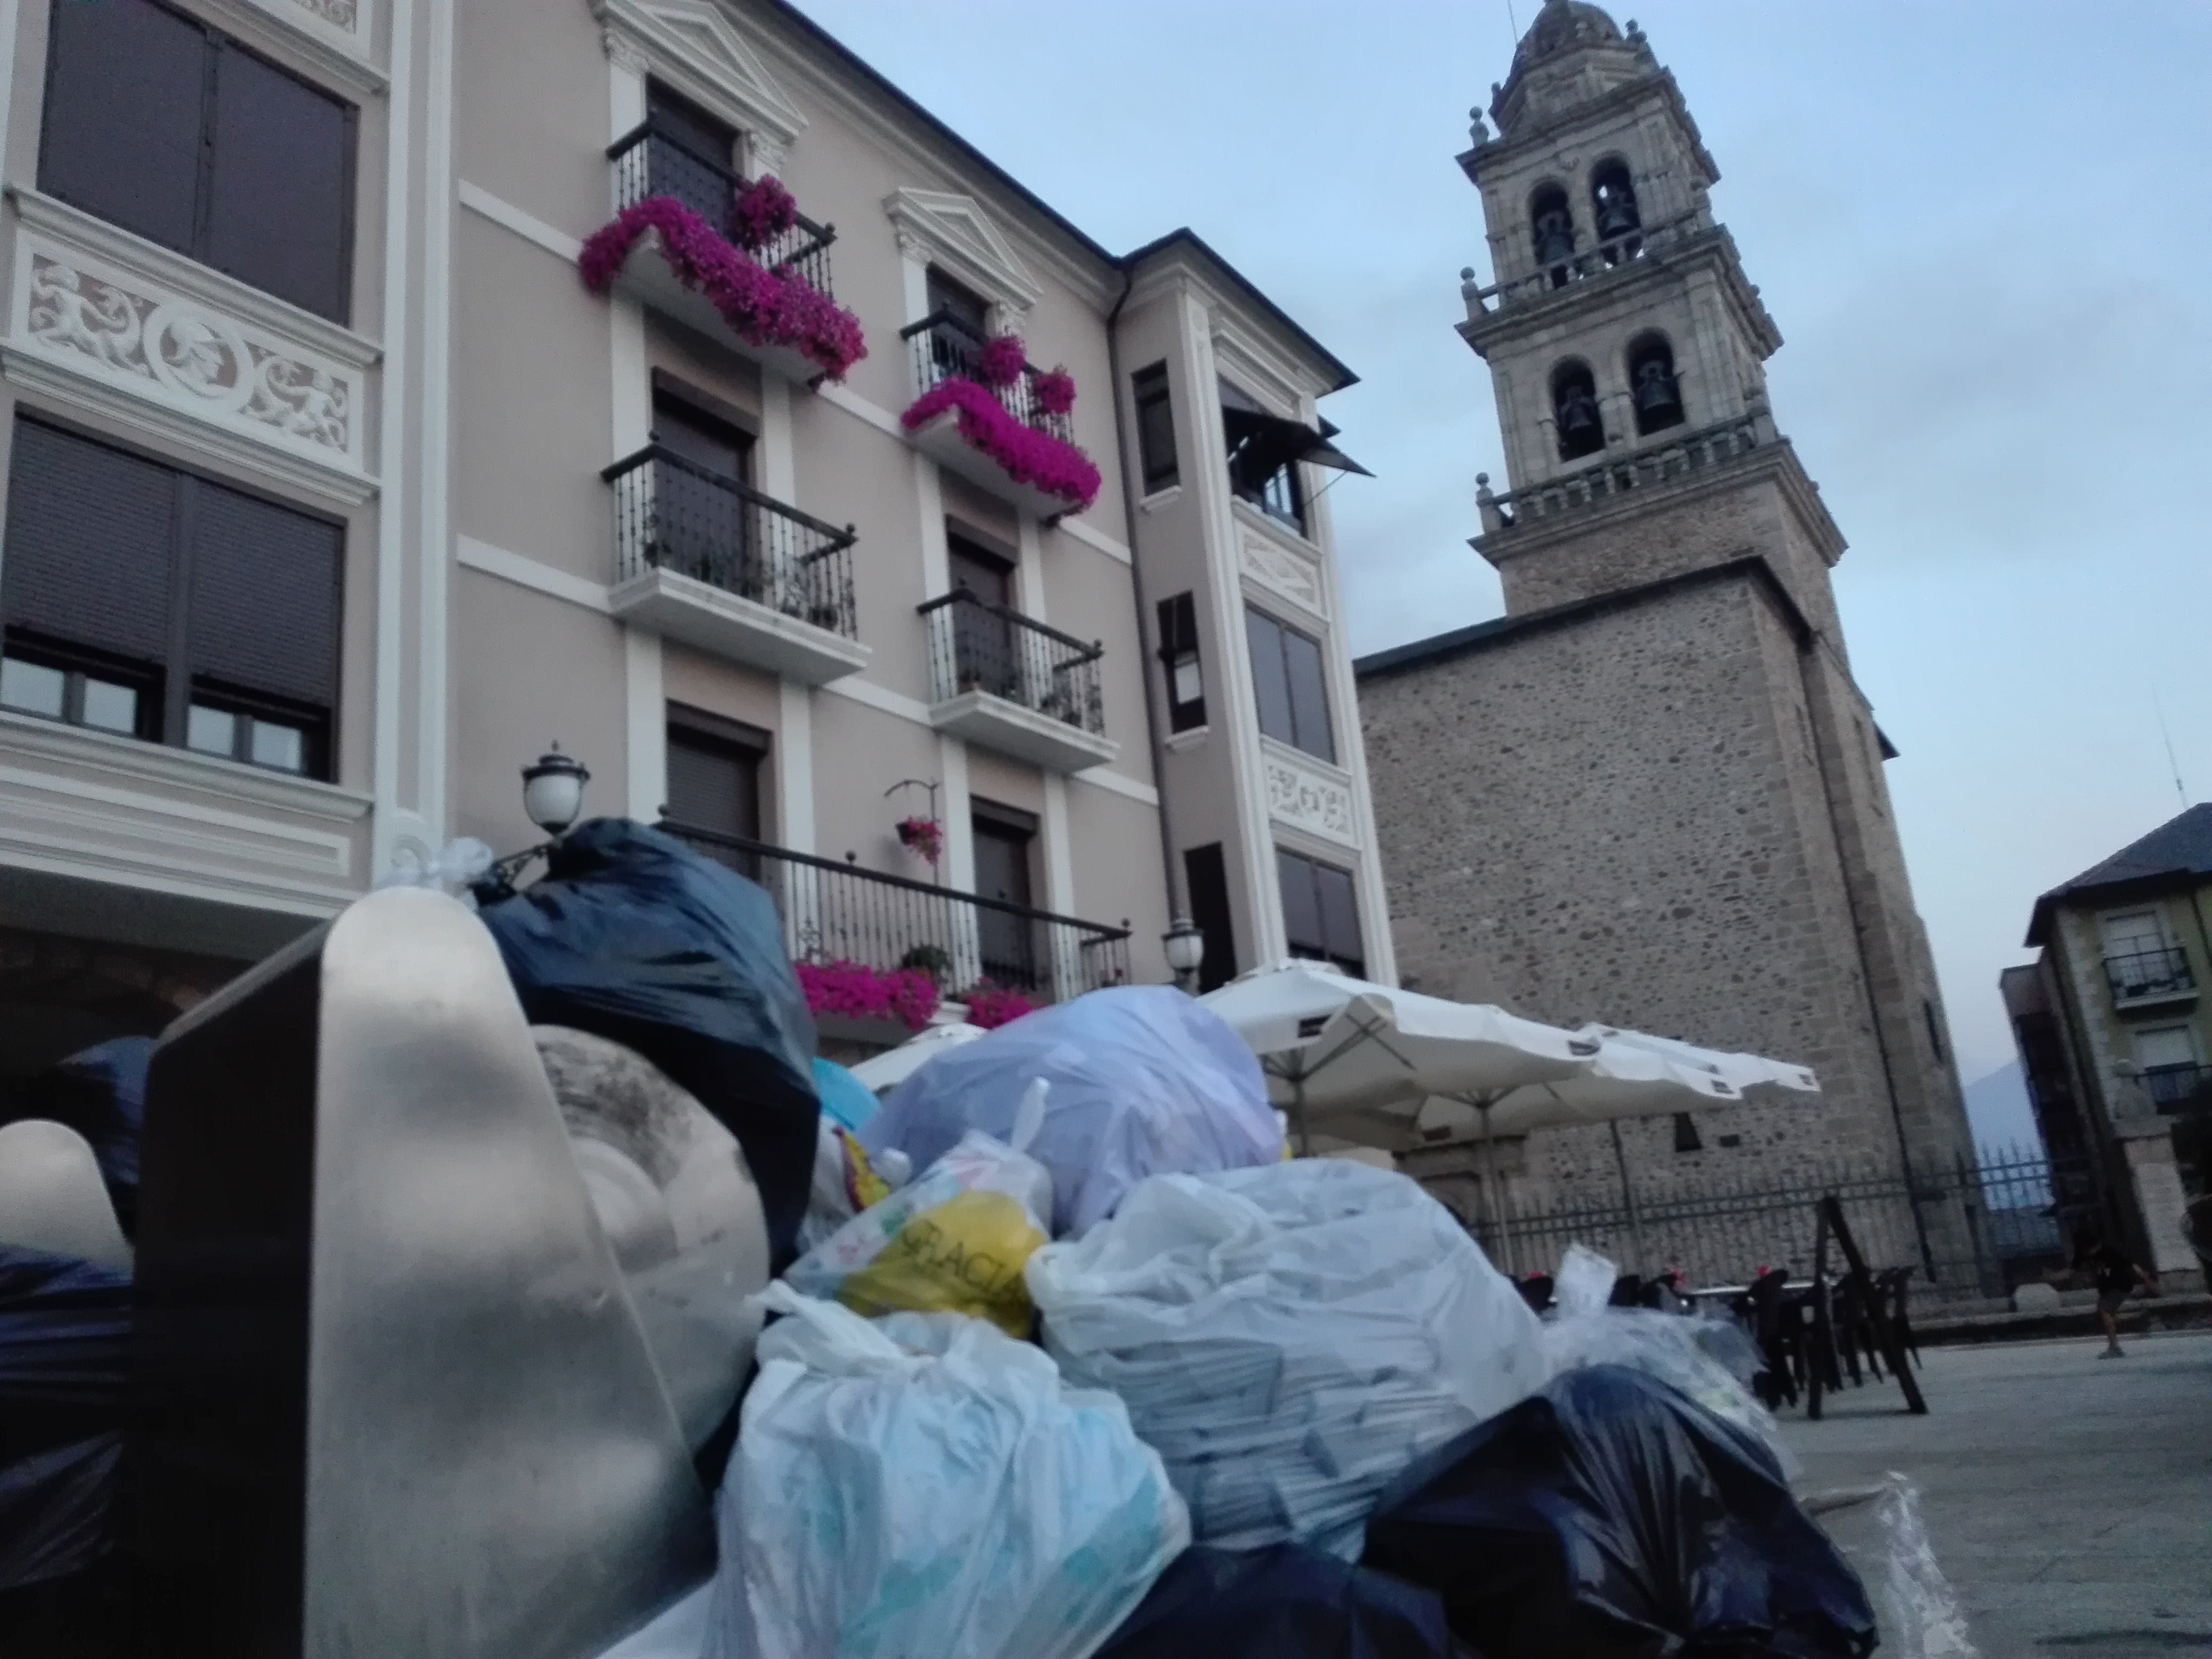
x,y
924,1485
1145,1081
1879,1530
1289,1337
1708,1357
955,1240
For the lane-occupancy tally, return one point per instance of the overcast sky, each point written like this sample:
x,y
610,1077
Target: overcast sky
x,y
1985,231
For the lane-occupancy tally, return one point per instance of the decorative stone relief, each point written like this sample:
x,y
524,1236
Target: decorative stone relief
x,y
1295,578
183,352
339,14
1301,795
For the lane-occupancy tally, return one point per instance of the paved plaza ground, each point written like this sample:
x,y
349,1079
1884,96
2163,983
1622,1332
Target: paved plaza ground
x,y
2069,1499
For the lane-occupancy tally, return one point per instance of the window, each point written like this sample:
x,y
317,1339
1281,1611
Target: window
x,y
714,773
1612,205
1003,836
1156,440
1205,877
1575,412
164,126
146,601
1934,1027
1652,387
985,647
963,303
1289,685
1552,231
1179,658
1320,914
1686,1138
1263,467
2166,1057
708,137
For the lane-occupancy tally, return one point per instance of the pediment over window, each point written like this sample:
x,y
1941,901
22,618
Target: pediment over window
x,y
693,46
953,233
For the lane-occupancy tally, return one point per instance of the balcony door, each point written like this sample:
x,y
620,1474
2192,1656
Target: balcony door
x,y
1004,837
983,641
2166,1057
707,529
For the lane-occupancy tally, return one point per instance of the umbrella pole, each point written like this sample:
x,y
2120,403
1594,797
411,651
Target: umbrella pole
x,y
1299,1100
1628,1199
1489,1198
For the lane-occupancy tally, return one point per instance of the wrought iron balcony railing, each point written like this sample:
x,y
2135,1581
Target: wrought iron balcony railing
x,y
2149,976
2177,1089
1641,468
649,160
673,514
977,646
836,912
943,346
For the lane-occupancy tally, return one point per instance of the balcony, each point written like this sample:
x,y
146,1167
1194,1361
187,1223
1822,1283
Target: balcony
x,y
836,912
1577,266
1000,679
707,560
1688,456
2178,1090
688,257
2143,979
1008,439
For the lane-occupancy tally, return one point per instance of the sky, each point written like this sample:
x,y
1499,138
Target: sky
x,y
1985,232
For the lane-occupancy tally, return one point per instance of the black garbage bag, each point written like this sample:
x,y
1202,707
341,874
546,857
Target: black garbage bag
x,y
100,1092
65,1326
632,936
1286,1602
1611,1517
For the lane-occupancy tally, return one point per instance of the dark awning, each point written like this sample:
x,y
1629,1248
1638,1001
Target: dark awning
x,y
1263,442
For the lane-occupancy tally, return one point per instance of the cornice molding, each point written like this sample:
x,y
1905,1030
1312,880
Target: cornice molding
x,y
697,48
329,36
953,230
1626,286
134,762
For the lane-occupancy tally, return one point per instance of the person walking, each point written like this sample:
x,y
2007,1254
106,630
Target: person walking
x,y
2116,1275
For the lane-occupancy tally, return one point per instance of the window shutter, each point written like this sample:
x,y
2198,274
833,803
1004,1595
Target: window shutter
x,y
713,784
282,197
90,533
126,81
1339,914
265,596
1301,905
1271,686
1309,695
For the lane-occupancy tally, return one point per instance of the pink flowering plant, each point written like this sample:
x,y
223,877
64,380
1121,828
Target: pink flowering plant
x,y
856,992
922,835
765,307
990,1006
764,210
1055,392
1002,360
1029,456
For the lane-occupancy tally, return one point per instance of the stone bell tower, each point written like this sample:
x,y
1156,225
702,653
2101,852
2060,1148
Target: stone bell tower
x,y
1651,793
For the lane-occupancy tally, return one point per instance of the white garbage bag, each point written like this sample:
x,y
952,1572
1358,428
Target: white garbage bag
x,y
1288,1338
923,1485
1145,1081
1707,1356
1879,1529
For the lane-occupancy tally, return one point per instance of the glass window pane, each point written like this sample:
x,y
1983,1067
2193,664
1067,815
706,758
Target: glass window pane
x,y
281,192
1301,905
1309,696
1339,914
212,731
1271,686
283,747
110,706
123,91
32,687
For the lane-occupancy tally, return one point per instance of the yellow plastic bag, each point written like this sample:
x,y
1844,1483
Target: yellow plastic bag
x,y
954,1240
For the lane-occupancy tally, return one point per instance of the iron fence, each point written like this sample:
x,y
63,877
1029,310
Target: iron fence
x,y
650,160
975,645
2139,976
671,513
836,912
1970,1231
2175,1089
943,346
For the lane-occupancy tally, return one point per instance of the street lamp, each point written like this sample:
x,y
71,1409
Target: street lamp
x,y
553,796
1186,948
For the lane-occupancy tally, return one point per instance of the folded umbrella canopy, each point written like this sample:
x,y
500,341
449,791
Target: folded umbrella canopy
x,y
1754,1076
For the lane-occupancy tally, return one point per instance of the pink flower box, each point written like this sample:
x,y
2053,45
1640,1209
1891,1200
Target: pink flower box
x,y
905,994
1027,455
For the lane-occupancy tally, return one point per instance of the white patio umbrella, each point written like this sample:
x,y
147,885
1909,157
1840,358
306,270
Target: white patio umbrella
x,y
894,1066
1754,1076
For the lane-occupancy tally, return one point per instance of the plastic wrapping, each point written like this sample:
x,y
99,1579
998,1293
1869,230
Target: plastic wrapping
x,y
1612,1518
924,1485
632,936
953,1241
1707,1356
64,1330
1283,1603
846,1101
460,865
1289,1337
1145,1081
1879,1530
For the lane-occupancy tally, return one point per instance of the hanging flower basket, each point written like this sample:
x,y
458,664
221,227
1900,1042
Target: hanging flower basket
x,y
1002,360
764,306
1027,455
922,835
765,209
1055,392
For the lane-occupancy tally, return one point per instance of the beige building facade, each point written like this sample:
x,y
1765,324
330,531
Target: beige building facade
x,y
1651,793
370,428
